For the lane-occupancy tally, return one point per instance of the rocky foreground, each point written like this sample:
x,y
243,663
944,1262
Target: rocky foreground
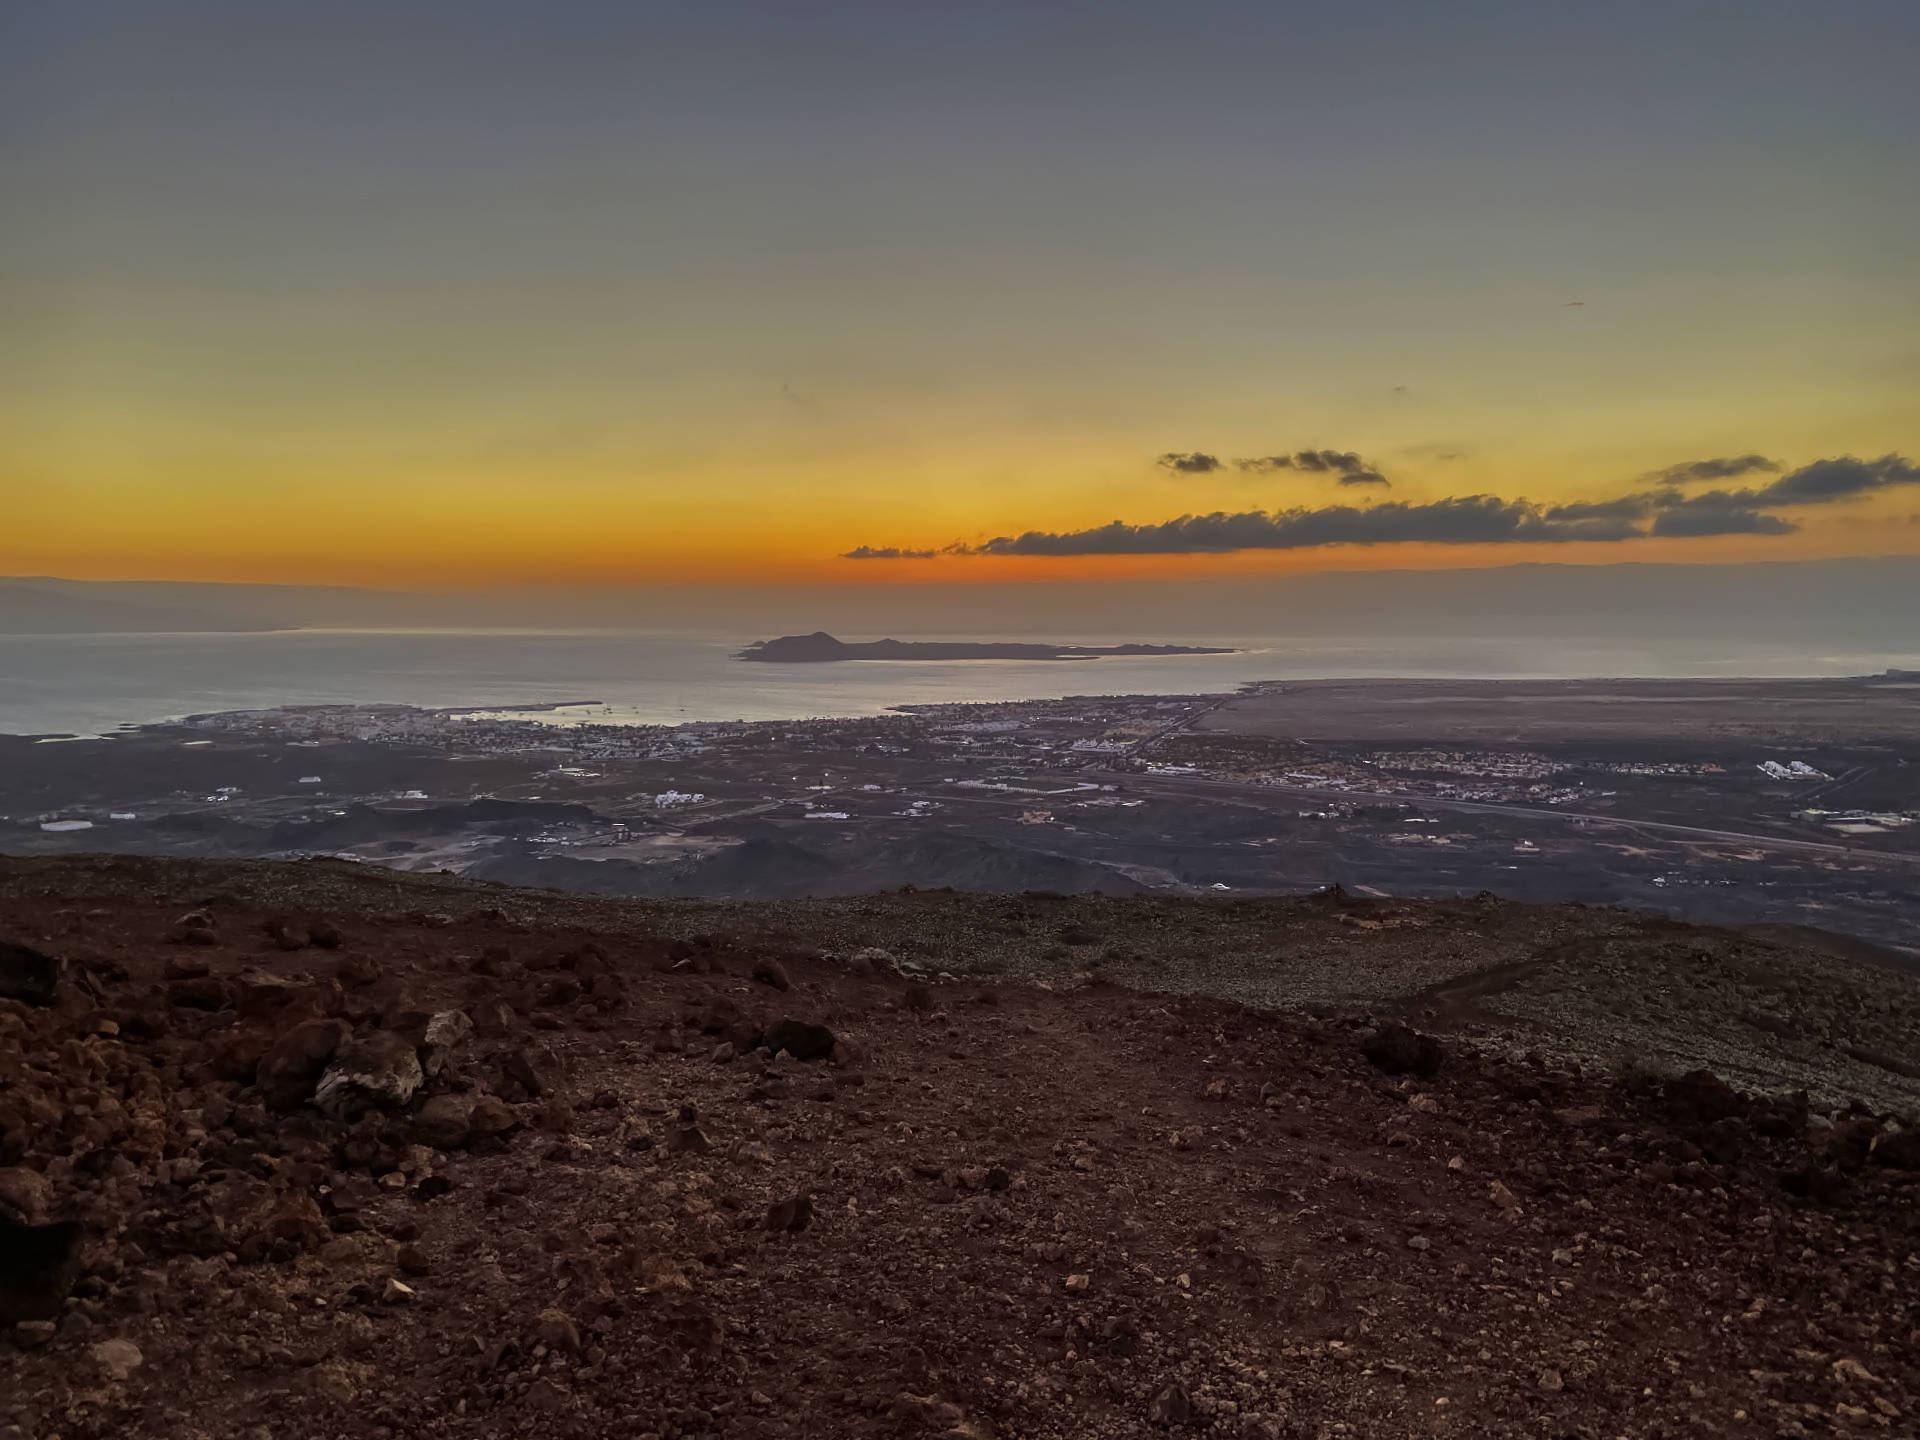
x,y
282,1155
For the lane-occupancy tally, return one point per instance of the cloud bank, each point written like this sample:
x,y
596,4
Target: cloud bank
x,y
1351,469
1838,479
1462,520
1727,467
1667,511
1190,462
888,552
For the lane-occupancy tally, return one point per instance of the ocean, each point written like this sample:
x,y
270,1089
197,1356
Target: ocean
x,y
89,684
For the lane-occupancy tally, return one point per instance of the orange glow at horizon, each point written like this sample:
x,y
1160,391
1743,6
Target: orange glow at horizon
x,y
690,298
483,558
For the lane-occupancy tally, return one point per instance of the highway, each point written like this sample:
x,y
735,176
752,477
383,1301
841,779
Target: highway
x,y
1183,784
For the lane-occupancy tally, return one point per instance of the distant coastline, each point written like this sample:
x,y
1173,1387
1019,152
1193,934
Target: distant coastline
x,y
92,685
822,648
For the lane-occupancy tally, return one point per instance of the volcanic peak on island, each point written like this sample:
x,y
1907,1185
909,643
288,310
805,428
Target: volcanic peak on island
x,y
821,647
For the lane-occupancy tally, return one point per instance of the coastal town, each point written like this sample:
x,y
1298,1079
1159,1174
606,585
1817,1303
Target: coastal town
x,y
1129,793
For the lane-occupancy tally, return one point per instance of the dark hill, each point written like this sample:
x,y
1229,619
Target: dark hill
x,y
362,1154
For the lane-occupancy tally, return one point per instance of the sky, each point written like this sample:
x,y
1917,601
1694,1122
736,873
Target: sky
x,y
444,295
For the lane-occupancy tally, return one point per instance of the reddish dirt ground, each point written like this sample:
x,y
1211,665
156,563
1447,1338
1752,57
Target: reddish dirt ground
x,y
994,1209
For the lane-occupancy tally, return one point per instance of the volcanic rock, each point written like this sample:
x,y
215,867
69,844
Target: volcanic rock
x,y
25,1195
293,1065
792,1215
688,1140
286,932
445,1122
1898,1152
1171,1406
801,1040
873,960
38,1265
556,1330
1401,1050
236,1054
1702,1096
381,1072
186,967
494,1017
28,974
413,1261
261,993
116,1360
447,1031
196,927
432,1188
491,1116
357,970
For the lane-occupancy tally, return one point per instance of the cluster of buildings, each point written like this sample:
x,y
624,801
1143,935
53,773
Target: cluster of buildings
x,y
1659,769
1860,822
1509,765
1064,734
1791,770
309,725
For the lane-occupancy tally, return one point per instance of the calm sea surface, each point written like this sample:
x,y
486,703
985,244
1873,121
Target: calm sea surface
x,y
91,683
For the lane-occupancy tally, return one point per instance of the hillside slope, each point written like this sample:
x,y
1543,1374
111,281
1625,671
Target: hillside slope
x,y
615,1202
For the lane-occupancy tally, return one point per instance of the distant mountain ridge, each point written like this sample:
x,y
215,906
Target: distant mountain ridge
x,y
820,647
33,607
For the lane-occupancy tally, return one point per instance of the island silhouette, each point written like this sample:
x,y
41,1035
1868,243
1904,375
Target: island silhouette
x,y
821,647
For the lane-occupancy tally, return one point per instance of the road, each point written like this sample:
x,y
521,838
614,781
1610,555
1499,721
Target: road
x,y
1185,722
1187,786
1175,785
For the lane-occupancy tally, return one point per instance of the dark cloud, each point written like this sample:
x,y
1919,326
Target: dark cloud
x,y
1351,469
1724,516
1462,520
1841,478
1192,462
1743,512
886,552
1726,467
1667,511
1717,512
1627,507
